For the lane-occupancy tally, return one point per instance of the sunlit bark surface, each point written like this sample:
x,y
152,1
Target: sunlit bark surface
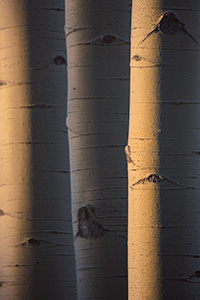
x,y
36,252
97,35
163,151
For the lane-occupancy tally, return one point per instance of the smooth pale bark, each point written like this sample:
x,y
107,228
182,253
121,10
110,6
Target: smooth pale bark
x,y
97,34
36,250
163,151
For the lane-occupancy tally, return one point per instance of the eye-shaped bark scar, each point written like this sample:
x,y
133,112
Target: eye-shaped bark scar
x,y
170,24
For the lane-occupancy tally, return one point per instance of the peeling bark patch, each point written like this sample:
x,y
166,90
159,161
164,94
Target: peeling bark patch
x,y
1,212
170,24
88,225
108,39
34,242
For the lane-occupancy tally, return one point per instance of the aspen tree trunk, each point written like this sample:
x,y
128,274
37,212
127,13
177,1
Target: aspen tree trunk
x,y
97,34
163,151
36,255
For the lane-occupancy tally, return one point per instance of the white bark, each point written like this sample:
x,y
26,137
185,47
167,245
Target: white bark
x,y
97,35
163,151
36,256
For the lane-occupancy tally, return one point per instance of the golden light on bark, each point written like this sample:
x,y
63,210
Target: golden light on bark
x,y
15,149
163,168
36,254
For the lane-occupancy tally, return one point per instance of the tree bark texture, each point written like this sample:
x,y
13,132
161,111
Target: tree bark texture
x,y
163,151
36,253
97,35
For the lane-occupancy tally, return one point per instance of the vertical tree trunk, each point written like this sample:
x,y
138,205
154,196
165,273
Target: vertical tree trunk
x,y
163,151
97,35
36,253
